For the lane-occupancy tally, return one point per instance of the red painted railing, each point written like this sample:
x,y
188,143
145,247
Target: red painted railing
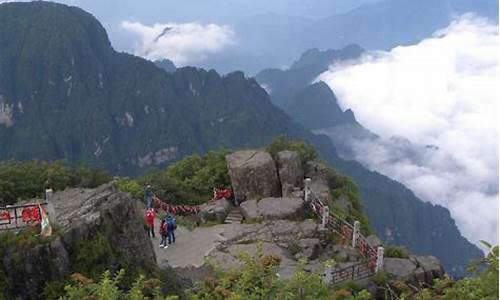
x,y
20,216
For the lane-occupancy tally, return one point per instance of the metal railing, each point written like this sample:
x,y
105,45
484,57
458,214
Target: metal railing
x,y
19,216
349,234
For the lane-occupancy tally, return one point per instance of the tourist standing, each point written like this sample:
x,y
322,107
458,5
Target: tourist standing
x,y
148,191
171,227
150,222
163,234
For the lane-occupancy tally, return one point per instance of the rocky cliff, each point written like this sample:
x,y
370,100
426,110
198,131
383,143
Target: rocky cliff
x,y
96,230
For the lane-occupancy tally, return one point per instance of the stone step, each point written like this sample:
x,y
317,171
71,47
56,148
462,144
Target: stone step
x,y
234,216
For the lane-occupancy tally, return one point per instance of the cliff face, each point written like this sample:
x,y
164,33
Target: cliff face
x,y
97,229
66,94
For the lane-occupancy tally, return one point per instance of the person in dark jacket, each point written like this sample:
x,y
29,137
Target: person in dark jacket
x,y
148,192
171,227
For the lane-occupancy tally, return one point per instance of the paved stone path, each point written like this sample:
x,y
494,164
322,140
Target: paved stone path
x,y
190,246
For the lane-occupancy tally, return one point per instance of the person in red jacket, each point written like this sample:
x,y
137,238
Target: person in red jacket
x,y
163,234
150,222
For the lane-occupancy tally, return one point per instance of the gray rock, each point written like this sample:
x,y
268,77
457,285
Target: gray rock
x,y
227,258
311,248
374,241
216,211
28,269
281,208
429,268
317,172
80,213
253,175
273,209
279,231
249,210
290,171
400,268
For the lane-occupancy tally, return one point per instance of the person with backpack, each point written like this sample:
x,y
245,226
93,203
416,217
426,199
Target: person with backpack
x,y
171,227
163,234
148,192
150,222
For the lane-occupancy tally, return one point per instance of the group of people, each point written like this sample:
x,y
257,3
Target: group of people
x,y
167,226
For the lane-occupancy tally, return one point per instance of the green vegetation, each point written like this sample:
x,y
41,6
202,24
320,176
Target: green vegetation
x,y
189,181
306,151
396,251
381,278
109,288
258,280
482,285
25,180
18,246
343,186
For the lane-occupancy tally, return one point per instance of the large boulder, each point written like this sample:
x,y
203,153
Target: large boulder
x,y
216,211
79,216
290,171
253,175
273,209
81,213
428,268
400,268
318,173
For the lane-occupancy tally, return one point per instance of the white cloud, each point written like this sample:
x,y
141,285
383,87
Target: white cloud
x,y
443,92
182,43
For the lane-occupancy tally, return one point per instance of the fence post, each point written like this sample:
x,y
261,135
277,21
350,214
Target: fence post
x,y
328,278
324,217
307,186
380,259
355,233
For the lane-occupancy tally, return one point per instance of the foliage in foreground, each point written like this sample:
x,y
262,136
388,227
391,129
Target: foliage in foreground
x,y
189,181
81,287
482,285
26,180
258,279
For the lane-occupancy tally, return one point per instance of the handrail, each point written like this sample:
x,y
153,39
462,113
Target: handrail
x,y
337,224
11,218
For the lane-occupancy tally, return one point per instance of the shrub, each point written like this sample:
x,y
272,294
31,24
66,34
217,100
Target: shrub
x,y
381,278
306,151
396,252
191,180
25,180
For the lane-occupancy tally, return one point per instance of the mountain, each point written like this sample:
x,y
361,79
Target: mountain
x,y
390,23
166,64
282,84
374,25
66,94
321,109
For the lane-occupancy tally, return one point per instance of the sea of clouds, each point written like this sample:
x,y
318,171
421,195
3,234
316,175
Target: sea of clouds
x,y
183,43
440,94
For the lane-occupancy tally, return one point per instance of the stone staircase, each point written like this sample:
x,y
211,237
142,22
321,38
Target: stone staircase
x,y
234,216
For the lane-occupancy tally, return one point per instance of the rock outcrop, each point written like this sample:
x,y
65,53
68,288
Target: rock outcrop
x,y
79,215
273,209
253,175
290,171
216,211
416,270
